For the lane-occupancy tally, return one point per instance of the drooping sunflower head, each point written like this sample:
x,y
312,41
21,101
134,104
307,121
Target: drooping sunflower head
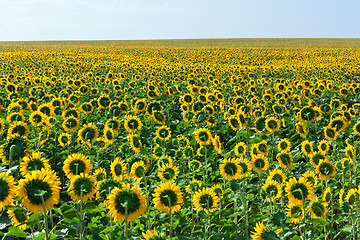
x,y
330,133
18,127
168,172
128,200
307,114
15,148
323,147
118,169
135,142
105,187
132,124
193,186
317,208
272,124
88,132
33,163
82,187
217,144
300,128
163,133
346,162
70,123
259,163
311,177
75,164
205,199
138,171
230,168
278,176
234,122
285,159
104,101
284,144
203,136
168,195
194,165
326,169
99,175
7,190
316,157
273,190
158,117
263,148
38,187
299,190
64,139
37,118
307,147
295,212
240,149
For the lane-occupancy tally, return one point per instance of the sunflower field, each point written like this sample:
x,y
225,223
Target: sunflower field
x,y
191,139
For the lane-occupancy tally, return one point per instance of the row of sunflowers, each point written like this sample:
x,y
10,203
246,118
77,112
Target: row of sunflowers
x,y
114,142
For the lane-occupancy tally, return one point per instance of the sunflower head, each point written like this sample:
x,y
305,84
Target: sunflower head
x,y
126,203
166,196
15,148
205,199
82,187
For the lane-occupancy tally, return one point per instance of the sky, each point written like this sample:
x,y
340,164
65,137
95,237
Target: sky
x,y
27,20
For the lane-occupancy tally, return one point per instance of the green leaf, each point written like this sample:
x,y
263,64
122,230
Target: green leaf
x,y
35,216
16,232
320,220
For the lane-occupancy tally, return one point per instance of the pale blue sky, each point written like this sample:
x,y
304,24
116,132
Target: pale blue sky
x,y
172,19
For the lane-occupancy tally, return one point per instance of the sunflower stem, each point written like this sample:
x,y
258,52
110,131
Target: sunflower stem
x,y
126,222
171,227
45,215
13,149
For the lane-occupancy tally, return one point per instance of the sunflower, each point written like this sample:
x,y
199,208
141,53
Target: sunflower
x,y
272,190
311,177
187,99
295,212
18,127
76,164
307,114
82,187
138,171
158,117
323,147
118,169
345,163
37,118
104,101
168,172
132,123
240,149
299,190
109,136
105,187
33,163
217,188
350,151
326,169
217,144
245,167
353,196
7,190
230,168
263,148
278,176
194,165
2,125
330,133
272,124
317,208
64,139
315,158
193,186
153,235
259,163
70,123
16,146
38,187
99,175
356,128
168,196
135,143
15,117
205,199
260,232
163,133
203,136
327,195
284,144
46,109
307,148
285,159
88,133
300,128
234,123
183,142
